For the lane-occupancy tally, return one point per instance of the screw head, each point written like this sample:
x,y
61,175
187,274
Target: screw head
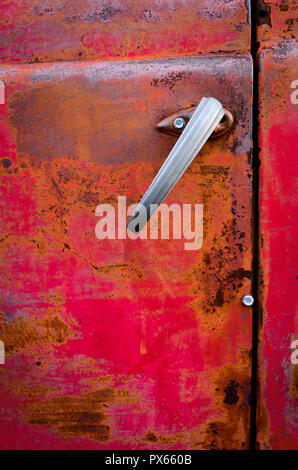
x,y
248,300
179,123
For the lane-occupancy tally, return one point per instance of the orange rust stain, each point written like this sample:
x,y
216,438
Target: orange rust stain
x,y
224,268
262,422
276,20
168,439
66,126
78,415
294,383
21,334
24,388
151,437
232,394
54,298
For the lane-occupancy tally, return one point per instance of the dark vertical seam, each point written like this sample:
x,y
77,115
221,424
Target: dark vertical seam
x,y
255,230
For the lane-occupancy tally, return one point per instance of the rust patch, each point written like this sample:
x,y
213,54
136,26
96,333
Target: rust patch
x,y
225,283
169,80
78,415
284,6
151,437
43,133
294,383
20,334
6,162
262,420
168,439
232,394
103,15
264,13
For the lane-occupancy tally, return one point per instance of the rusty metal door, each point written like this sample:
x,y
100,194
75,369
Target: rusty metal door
x,y
123,344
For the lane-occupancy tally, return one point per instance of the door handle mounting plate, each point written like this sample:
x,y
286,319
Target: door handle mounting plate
x,y
176,123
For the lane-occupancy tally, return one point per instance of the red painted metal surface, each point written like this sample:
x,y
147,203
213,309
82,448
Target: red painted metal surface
x,y
122,343
278,210
46,31
277,410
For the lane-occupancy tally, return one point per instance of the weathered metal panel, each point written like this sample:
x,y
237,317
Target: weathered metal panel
x,y
122,343
46,31
277,415
277,408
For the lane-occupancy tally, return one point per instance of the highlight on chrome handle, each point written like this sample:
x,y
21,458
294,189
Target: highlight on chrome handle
x,y
199,128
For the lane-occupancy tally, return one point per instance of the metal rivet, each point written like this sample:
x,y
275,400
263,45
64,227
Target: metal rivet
x,y
179,123
247,300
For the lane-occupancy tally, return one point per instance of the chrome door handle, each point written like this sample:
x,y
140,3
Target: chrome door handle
x,y
199,128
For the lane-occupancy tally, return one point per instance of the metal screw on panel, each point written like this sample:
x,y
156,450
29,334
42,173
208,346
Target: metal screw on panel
x,y
248,300
179,123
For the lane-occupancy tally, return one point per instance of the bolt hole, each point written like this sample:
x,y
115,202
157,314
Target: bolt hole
x,y
262,13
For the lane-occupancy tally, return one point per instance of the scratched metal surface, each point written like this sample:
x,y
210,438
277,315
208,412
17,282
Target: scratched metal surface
x,y
55,30
121,343
277,419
